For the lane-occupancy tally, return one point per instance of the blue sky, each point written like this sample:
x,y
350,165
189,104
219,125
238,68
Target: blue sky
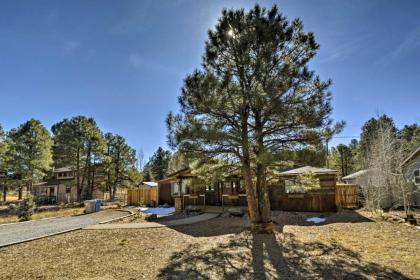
x,y
123,62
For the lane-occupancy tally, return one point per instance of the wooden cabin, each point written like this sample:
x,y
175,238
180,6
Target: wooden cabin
x,y
184,186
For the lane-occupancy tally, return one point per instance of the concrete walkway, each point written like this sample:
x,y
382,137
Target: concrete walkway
x,y
179,222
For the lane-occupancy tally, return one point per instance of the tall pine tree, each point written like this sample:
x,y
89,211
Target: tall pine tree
x,y
3,163
78,144
121,160
253,98
157,166
30,156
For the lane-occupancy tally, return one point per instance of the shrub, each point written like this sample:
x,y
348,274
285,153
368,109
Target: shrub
x,y
12,208
303,183
26,208
308,181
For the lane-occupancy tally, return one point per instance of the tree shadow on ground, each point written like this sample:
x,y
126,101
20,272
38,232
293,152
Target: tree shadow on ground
x,y
271,256
283,218
235,225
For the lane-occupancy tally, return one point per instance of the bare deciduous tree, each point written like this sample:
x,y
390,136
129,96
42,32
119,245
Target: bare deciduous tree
x,y
386,184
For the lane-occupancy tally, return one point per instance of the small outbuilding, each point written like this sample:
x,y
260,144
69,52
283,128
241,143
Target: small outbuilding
x,y
358,178
411,169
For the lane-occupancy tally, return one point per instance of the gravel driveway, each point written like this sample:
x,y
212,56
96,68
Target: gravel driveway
x,y
14,233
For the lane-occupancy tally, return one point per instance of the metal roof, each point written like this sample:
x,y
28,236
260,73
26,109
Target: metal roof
x,y
355,174
63,169
307,169
150,184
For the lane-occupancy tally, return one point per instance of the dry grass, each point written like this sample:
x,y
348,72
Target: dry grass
x,y
45,214
51,213
11,197
348,247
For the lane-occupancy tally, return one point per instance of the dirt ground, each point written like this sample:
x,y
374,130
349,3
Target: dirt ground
x,y
347,246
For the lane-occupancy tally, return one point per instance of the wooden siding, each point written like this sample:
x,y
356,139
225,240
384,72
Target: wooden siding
x,y
346,195
165,195
409,167
142,196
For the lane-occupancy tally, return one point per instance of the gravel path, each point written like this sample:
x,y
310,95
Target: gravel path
x,y
15,233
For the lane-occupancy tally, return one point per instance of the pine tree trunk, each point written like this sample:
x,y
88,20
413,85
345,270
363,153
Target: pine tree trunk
x,y
326,158
114,190
85,174
263,200
257,196
258,202
264,224
4,192
20,193
108,185
92,185
79,189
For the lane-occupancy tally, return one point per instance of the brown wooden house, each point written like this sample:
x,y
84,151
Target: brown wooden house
x,y
231,191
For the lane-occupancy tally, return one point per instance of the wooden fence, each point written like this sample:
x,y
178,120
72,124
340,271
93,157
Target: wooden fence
x,y
346,195
142,196
327,199
319,201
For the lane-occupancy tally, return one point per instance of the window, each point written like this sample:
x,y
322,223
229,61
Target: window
x,y
68,189
174,188
241,186
178,189
417,177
